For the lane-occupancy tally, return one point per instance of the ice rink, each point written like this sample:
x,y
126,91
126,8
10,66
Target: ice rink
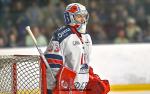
x,y
133,92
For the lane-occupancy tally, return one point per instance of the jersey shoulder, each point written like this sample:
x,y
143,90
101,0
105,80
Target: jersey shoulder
x,y
61,33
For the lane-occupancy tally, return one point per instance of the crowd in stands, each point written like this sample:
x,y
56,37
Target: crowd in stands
x,y
110,22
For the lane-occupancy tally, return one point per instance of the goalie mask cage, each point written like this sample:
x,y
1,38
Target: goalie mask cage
x,y
22,74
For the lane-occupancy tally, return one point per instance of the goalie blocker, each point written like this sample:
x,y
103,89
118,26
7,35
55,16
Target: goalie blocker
x,y
65,83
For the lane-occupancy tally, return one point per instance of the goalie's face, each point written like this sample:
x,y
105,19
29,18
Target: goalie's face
x,y
80,18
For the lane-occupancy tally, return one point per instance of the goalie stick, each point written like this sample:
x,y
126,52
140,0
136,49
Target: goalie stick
x,y
40,52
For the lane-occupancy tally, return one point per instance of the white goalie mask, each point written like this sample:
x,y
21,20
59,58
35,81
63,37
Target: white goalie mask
x,y
73,11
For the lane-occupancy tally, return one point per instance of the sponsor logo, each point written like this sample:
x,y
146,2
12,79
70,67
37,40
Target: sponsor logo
x,y
63,33
84,69
76,43
64,84
80,85
87,42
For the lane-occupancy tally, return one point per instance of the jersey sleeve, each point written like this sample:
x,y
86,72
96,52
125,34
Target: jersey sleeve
x,y
53,53
54,58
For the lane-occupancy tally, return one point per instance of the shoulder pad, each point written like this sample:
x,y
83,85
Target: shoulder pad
x,y
62,33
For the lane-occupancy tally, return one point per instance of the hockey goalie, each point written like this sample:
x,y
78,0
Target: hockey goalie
x,y
68,55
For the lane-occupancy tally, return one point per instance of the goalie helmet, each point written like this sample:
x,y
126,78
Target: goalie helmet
x,y
73,10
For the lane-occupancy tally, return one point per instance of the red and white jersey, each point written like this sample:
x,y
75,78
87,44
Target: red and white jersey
x,y
70,49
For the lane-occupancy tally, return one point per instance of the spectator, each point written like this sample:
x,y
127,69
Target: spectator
x,y
146,37
134,32
41,39
121,38
6,18
146,6
49,19
94,17
132,7
13,38
98,34
2,42
3,36
141,17
110,14
34,14
121,13
20,20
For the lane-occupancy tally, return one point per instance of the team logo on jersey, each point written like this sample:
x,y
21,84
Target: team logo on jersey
x,y
76,43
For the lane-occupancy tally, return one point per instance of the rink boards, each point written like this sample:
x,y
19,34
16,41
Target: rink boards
x,y
125,66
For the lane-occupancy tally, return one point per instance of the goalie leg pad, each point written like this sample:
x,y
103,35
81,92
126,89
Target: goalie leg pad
x,y
65,82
